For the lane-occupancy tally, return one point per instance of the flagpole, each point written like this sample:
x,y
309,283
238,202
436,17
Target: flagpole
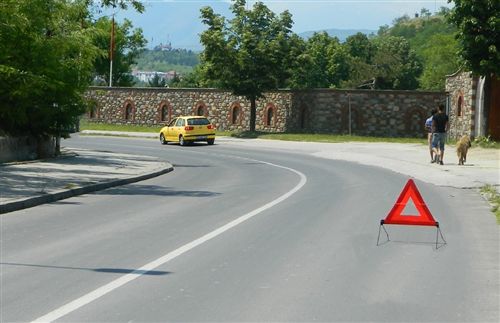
x,y
111,49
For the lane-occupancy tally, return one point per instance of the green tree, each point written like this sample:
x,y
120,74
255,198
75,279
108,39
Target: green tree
x,y
122,4
396,64
317,49
128,45
321,62
431,37
478,24
359,45
45,64
439,59
250,54
157,81
195,79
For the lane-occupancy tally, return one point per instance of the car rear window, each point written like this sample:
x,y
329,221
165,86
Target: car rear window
x,y
198,122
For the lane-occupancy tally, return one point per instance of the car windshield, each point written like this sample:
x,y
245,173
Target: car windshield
x,y
198,122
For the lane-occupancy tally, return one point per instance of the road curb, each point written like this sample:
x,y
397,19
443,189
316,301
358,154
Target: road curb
x,y
64,194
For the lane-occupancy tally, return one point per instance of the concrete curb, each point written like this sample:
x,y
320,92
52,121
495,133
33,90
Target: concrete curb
x,y
64,194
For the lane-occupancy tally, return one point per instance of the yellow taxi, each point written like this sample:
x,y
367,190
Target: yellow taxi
x,y
188,129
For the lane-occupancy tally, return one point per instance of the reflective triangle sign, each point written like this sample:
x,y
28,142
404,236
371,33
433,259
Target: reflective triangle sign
x,y
423,216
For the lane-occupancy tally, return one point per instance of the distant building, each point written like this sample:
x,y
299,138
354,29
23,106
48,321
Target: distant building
x,y
146,76
165,47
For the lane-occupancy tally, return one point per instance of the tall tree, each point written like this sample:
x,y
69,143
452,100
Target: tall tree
x,y
359,45
440,58
397,66
157,81
317,73
45,64
128,44
122,4
478,23
249,54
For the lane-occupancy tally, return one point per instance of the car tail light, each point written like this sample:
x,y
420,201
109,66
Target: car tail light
x,y
187,128
210,126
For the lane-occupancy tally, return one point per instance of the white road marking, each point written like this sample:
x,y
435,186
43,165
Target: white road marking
x,y
105,289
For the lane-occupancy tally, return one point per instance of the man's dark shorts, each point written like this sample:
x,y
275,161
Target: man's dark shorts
x,y
438,140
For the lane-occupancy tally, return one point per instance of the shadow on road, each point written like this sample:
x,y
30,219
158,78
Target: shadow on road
x,y
99,270
138,189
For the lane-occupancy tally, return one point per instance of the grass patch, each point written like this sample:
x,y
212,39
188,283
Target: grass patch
x,y
485,142
493,197
324,137
85,125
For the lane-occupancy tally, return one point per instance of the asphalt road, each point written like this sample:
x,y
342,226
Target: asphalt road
x,y
244,234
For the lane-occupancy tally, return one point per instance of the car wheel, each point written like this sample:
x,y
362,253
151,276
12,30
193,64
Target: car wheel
x,y
182,142
210,141
163,140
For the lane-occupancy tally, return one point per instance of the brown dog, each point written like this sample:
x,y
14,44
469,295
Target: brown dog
x,y
463,146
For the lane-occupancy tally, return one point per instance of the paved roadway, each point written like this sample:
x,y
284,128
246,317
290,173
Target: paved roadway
x,y
291,237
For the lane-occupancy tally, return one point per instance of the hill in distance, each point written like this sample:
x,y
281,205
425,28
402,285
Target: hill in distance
x,y
183,60
341,34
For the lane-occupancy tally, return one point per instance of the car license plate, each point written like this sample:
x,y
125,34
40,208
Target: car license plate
x,y
201,137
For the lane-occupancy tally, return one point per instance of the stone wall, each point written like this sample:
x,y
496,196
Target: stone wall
x,y
359,112
157,106
364,112
462,103
25,148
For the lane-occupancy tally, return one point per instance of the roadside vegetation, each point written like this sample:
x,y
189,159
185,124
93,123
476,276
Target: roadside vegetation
x,y
332,138
483,142
85,125
492,195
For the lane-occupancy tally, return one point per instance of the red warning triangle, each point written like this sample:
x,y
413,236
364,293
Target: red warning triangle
x,y
424,216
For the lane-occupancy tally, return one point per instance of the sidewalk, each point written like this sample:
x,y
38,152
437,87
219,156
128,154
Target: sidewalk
x,y
76,172
482,166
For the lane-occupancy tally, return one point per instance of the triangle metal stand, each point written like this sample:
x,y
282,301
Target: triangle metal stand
x,y
438,233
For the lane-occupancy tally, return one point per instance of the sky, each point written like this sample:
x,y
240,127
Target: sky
x,y
178,21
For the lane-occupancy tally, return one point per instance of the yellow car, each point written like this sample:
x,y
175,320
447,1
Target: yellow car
x,y
188,129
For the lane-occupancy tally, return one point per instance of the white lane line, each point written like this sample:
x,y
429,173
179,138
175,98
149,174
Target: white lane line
x,y
105,289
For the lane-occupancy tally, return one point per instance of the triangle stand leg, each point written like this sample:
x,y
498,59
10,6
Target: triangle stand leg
x,y
439,233
381,226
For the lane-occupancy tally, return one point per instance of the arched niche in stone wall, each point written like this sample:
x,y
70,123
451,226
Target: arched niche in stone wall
x,y
164,111
93,109
460,104
128,110
270,115
200,109
235,114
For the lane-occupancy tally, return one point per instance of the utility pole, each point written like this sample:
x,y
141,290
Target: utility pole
x,y
111,49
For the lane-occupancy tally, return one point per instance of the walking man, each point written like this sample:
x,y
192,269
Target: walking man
x,y
439,128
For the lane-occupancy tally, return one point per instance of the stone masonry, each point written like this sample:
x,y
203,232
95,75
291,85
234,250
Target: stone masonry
x,y
462,95
359,112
